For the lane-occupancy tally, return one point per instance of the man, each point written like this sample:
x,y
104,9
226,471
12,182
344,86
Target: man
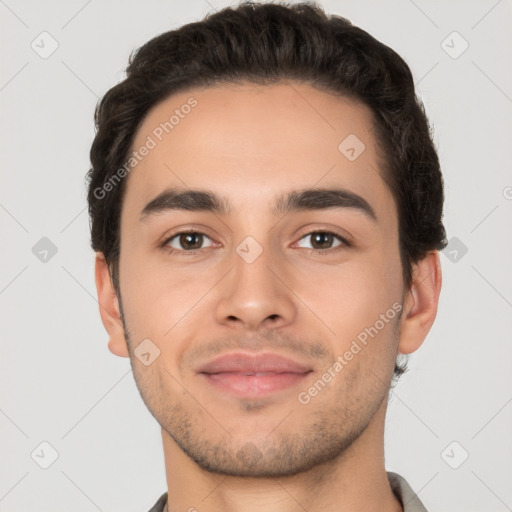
x,y
266,206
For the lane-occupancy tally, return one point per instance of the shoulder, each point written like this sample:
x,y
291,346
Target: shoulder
x,y
403,491
160,505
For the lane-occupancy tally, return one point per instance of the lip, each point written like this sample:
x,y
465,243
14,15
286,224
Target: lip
x,y
253,375
253,363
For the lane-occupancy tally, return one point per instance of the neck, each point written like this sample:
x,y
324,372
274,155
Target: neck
x,y
355,481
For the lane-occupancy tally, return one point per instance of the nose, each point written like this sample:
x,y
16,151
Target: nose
x,y
255,294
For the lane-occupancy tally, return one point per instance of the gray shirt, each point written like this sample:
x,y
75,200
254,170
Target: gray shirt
x,y
408,498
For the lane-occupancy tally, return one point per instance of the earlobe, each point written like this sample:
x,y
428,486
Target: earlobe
x,y
109,308
420,305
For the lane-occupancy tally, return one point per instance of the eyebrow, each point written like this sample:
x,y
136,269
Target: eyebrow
x,y
297,200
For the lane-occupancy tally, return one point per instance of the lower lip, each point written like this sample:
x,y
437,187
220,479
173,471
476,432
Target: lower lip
x,y
253,385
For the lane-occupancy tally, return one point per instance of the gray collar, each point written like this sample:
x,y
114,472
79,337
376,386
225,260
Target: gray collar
x,y
403,491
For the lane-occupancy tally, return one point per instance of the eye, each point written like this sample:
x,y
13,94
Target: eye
x,y
186,241
323,240
190,241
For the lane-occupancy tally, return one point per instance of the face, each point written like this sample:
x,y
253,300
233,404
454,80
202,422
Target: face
x,y
272,300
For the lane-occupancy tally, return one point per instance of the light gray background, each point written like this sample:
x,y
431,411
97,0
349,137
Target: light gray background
x,y
59,382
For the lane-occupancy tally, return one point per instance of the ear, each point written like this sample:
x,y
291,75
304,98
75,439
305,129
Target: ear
x,y
109,308
420,304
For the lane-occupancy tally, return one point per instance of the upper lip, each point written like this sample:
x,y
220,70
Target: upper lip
x,y
253,363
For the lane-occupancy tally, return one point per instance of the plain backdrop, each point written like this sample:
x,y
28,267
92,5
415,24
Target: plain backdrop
x,y
449,422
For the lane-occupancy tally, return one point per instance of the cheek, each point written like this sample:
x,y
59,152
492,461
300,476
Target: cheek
x,y
357,291
360,297
141,288
159,301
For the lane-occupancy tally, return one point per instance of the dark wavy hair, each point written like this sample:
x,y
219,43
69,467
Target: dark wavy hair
x,y
265,44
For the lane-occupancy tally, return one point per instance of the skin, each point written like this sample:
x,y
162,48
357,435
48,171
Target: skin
x,y
252,144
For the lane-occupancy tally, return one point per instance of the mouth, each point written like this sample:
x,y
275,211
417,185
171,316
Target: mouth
x,y
253,376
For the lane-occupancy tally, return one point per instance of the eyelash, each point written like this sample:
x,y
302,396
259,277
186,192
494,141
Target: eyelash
x,y
170,250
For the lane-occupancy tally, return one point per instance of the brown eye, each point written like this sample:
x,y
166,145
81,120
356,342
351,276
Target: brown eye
x,y
187,241
323,240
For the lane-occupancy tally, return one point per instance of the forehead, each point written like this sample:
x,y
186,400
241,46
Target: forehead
x,y
252,142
